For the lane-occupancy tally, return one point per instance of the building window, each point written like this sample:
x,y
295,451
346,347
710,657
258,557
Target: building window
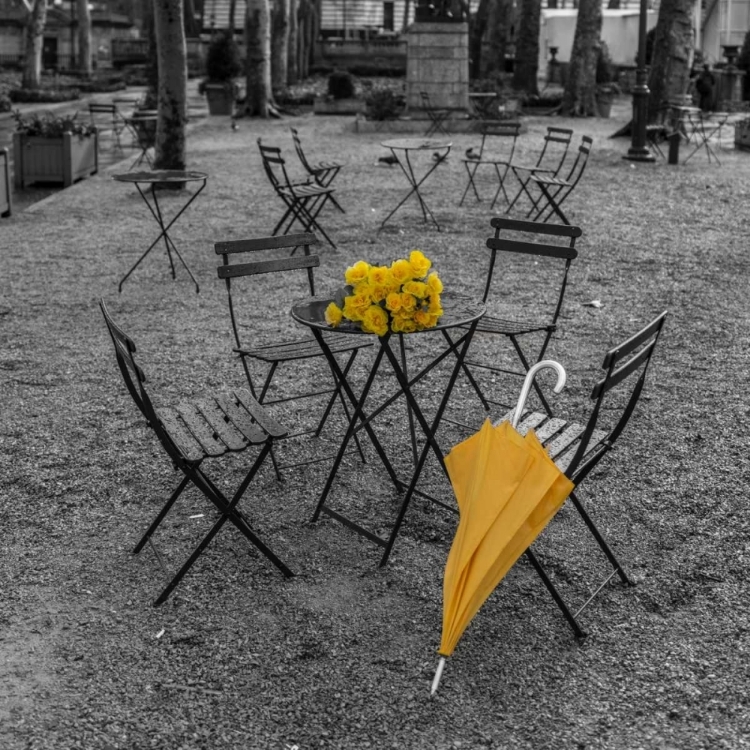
x,y
388,16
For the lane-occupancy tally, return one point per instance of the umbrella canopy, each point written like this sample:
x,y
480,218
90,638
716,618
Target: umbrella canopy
x,y
508,489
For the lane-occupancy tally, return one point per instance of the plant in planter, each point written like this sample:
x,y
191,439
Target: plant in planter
x,y
341,97
47,148
606,88
222,65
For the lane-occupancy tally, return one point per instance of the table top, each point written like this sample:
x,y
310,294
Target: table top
x,y
415,144
161,175
457,311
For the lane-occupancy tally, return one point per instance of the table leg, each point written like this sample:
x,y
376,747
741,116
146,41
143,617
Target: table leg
x,y
409,413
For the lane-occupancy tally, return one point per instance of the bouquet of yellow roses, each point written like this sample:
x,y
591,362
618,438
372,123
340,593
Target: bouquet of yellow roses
x,y
401,298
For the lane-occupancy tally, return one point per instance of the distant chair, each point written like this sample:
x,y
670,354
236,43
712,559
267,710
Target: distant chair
x,y
323,172
106,118
303,200
437,115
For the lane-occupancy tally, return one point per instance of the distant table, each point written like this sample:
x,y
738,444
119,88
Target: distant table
x,y
401,149
153,181
704,125
460,314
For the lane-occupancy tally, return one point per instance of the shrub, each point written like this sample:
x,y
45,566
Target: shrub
x,y
340,85
383,104
26,96
605,68
51,126
223,59
5,103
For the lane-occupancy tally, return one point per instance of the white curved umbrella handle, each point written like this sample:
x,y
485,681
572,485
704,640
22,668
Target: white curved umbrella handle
x,y
545,364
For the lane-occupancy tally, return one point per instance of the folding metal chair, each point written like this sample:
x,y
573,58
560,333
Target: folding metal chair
x,y
556,259
577,448
491,129
107,118
142,127
253,256
556,189
191,432
437,116
550,161
303,200
323,172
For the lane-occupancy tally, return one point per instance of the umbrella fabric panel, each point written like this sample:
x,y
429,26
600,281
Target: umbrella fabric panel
x,y
508,489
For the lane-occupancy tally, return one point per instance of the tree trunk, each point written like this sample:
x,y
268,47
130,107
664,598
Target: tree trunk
x,y
258,59
83,15
232,14
527,47
477,27
279,44
192,27
579,99
407,10
292,59
35,21
169,26
673,50
499,15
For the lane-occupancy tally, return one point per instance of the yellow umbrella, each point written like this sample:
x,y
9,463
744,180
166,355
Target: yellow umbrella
x,y
508,489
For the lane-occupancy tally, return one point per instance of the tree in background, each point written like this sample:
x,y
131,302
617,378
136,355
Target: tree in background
x,y
527,47
579,98
83,15
499,18
169,26
292,59
279,45
672,54
36,19
258,58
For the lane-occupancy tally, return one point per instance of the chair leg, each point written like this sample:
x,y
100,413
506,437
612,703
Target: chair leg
x,y
470,184
162,513
601,541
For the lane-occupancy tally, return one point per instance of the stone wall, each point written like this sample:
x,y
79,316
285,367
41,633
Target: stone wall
x,y
438,63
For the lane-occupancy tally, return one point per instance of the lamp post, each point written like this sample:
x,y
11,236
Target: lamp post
x,y
638,150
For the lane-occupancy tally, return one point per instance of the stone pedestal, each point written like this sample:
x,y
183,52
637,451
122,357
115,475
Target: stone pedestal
x,y
437,61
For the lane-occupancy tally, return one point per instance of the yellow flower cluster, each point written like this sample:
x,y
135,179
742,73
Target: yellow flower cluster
x,y
403,297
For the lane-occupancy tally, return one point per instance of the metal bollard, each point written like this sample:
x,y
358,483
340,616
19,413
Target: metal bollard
x,y
674,147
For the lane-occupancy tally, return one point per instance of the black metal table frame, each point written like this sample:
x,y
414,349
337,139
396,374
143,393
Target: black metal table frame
x,y
158,216
408,171
699,121
361,420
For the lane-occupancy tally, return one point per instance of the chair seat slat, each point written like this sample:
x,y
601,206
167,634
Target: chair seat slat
x,y
241,419
530,422
180,435
507,326
261,416
302,349
564,440
218,419
200,429
563,460
549,429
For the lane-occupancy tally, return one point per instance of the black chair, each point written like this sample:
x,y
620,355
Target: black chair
x,y
556,189
106,118
517,326
191,432
488,156
550,161
578,447
251,259
436,115
323,172
303,200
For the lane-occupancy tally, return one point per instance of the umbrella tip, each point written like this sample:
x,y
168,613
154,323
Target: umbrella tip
x,y
438,675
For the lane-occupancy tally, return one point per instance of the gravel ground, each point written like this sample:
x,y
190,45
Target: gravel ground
x,y
341,656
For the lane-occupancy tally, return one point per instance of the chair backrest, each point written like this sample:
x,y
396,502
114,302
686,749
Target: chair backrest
x,y
300,152
106,114
563,253
135,381
624,365
427,102
555,148
252,255
491,129
274,165
579,165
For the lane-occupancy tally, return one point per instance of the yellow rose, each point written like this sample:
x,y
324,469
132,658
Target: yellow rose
x,y
407,325
434,284
379,276
378,293
420,264
401,271
408,303
375,320
434,306
393,302
333,314
417,288
422,318
356,273
354,307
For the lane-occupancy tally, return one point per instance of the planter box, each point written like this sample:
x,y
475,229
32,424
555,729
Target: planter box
x,y
742,134
220,98
5,197
64,159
